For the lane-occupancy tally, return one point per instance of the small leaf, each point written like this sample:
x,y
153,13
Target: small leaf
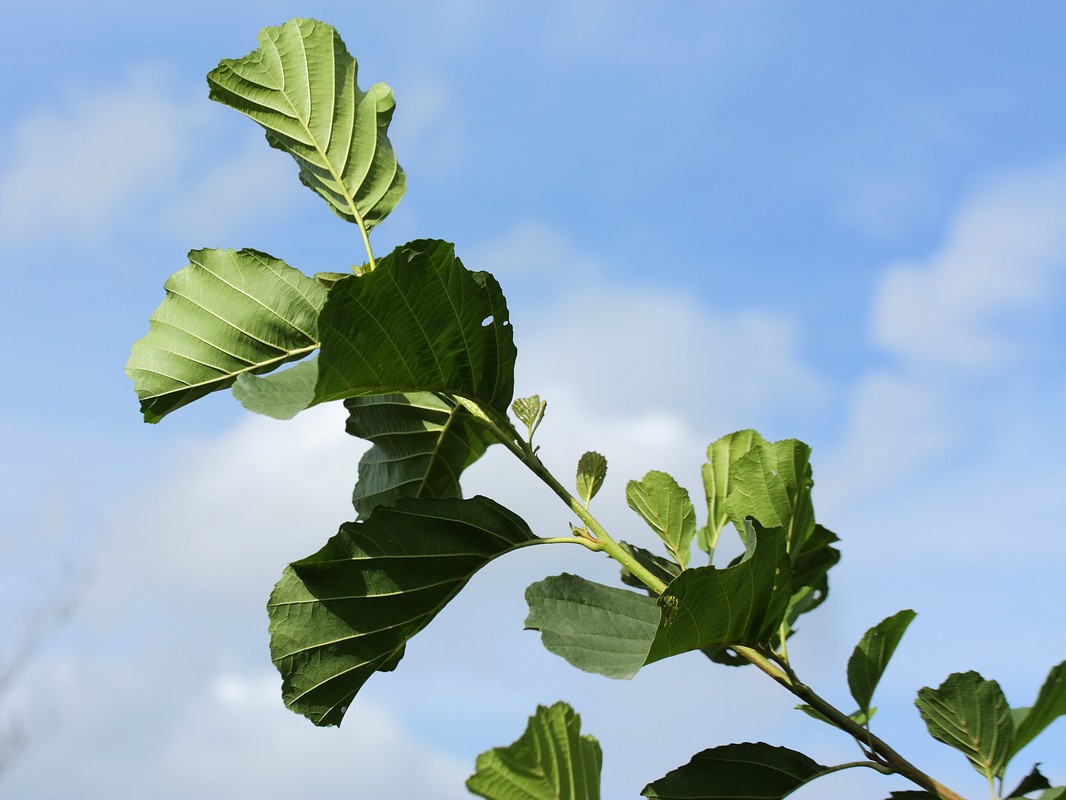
x,y
748,771
739,605
1030,783
666,507
1050,705
300,85
591,470
530,412
281,395
422,444
552,760
225,314
347,611
421,321
596,628
722,455
872,654
970,714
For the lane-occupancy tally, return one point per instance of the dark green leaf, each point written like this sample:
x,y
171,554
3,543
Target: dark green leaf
x,y
970,714
739,605
1030,783
666,507
552,760
1050,705
422,444
225,314
748,771
591,470
872,654
596,628
721,458
345,612
810,571
421,321
300,85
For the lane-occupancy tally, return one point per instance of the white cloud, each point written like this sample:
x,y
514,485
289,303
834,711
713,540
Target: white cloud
x,y
75,168
1002,262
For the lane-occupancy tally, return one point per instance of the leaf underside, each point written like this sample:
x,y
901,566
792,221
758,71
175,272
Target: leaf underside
x,y
552,760
226,314
347,611
300,86
666,507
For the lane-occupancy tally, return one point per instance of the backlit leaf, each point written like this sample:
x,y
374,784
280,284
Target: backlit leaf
x,y
340,615
552,760
872,654
226,314
1050,705
591,471
666,507
722,455
300,85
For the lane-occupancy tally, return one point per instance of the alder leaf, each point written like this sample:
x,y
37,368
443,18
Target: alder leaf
x,y
591,471
722,456
596,628
666,507
551,760
226,314
746,771
421,321
1050,705
1030,783
347,611
422,444
872,654
970,714
300,85
281,395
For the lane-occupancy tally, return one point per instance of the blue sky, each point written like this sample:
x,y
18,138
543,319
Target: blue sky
x,y
840,222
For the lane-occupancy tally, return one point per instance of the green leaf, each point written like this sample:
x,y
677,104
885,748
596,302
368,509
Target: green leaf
x,y
1030,783
748,771
422,444
591,471
970,714
662,568
227,313
810,571
551,760
530,412
858,717
872,654
300,85
421,321
912,794
283,394
666,507
596,628
1050,705
722,455
739,605
1057,793
345,612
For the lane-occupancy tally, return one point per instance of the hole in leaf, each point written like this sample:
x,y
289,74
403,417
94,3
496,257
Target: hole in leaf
x,y
487,321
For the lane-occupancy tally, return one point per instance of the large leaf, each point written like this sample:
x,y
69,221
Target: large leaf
x,y
420,322
747,771
226,314
970,714
551,760
422,444
666,507
596,628
1050,705
872,654
722,455
300,85
739,605
347,611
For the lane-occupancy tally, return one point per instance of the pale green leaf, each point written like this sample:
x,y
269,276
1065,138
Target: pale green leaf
x,y
226,314
422,444
596,628
347,611
591,471
663,568
1050,705
300,85
552,760
281,395
722,455
970,714
739,605
748,771
421,321
530,412
858,717
666,507
772,483
872,654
